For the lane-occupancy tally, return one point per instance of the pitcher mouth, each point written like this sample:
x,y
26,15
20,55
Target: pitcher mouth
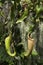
x,y
30,37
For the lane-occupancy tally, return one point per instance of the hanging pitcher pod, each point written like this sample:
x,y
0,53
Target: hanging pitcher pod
x,y
7,45
30,44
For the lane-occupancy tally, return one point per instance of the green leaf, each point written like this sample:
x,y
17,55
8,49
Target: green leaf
x,y
25,13
21,19
38,9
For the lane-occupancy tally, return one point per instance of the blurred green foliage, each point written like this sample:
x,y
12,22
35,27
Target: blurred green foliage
x,y
18,12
